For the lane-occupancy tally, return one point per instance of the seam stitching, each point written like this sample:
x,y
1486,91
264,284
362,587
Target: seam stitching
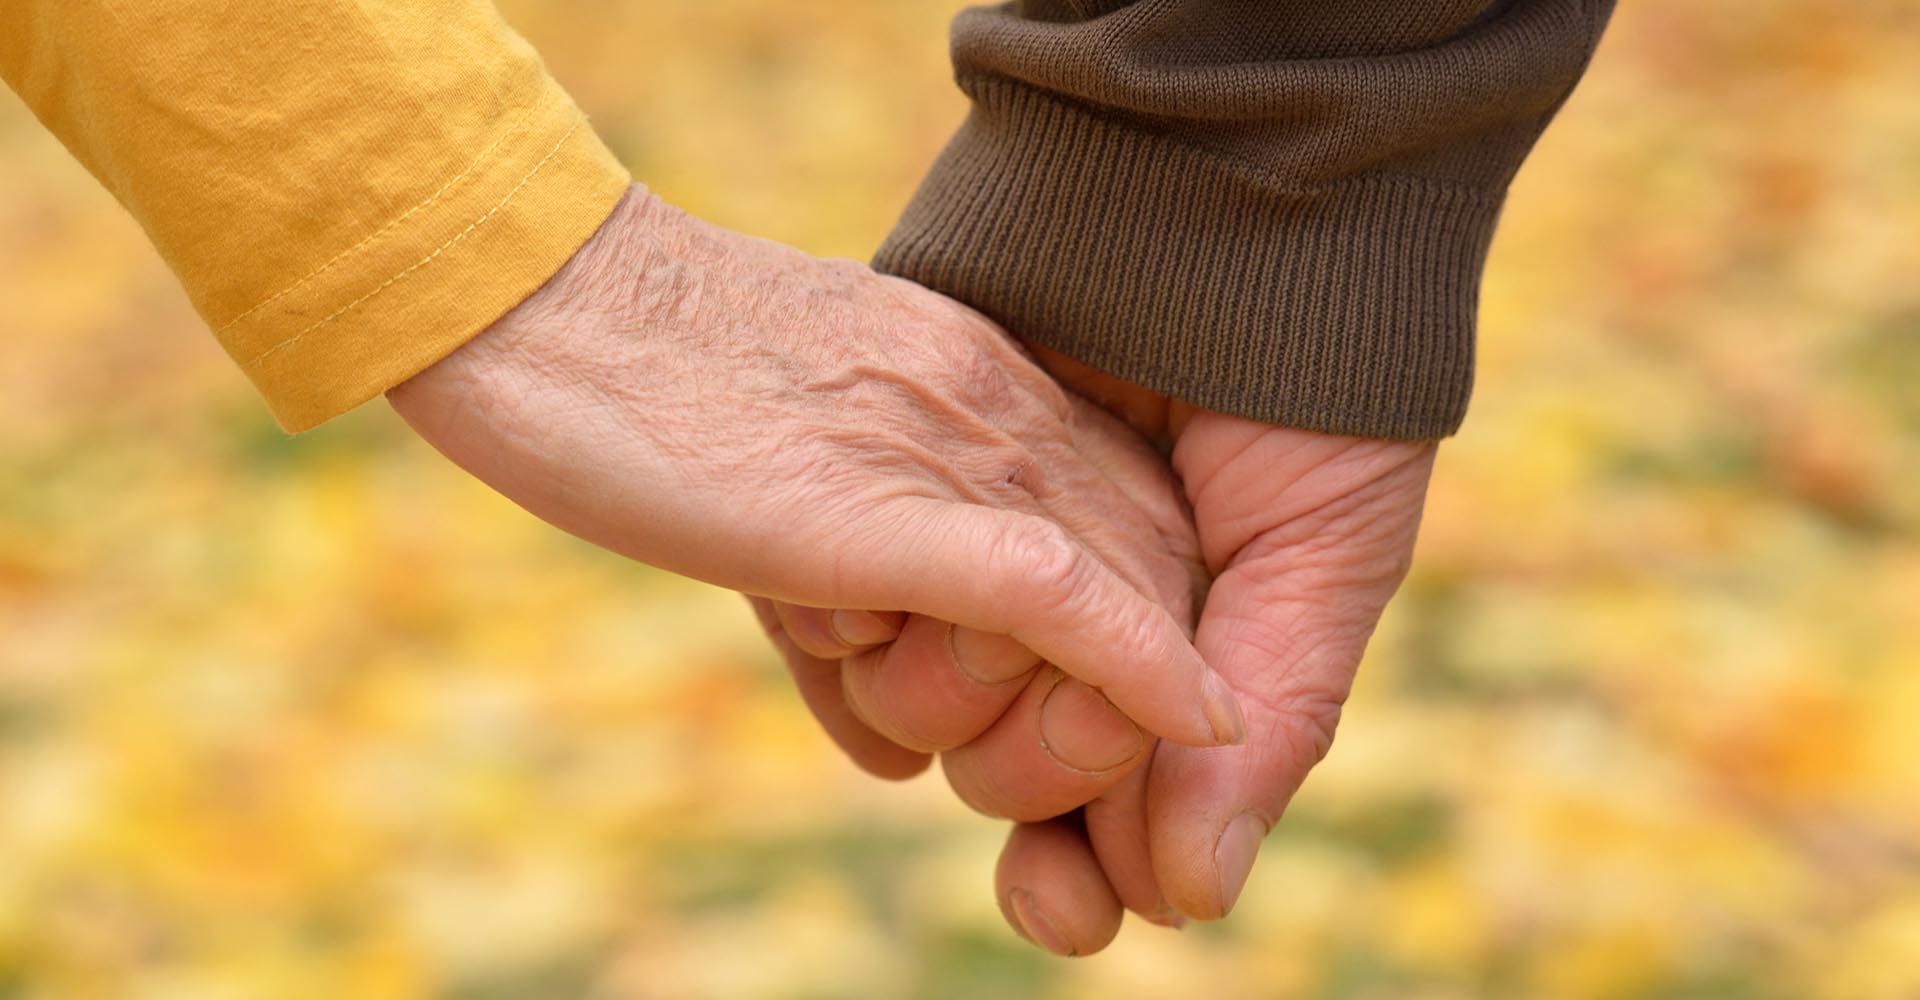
x,y
484,156
424,261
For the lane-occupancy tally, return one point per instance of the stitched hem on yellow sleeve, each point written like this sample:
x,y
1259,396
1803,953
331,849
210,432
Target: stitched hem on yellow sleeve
x,y
430,280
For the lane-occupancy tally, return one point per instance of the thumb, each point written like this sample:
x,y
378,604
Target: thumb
x,y
1286,624
1291,661
1314,533
1028,578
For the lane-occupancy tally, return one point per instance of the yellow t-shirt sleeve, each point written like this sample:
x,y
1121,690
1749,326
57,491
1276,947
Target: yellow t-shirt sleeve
x,y
348,189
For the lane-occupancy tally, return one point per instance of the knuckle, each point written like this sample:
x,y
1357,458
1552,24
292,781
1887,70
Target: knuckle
x,y
1138,628
1305,720
1318,718
1049,566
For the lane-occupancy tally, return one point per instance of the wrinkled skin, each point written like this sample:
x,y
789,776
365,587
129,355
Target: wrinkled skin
x,y
826,438
813,433
1306,537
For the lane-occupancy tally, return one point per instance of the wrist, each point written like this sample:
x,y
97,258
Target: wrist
x,y
537,335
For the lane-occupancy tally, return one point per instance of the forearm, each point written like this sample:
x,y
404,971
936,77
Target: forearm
x,y
1279,210
348,189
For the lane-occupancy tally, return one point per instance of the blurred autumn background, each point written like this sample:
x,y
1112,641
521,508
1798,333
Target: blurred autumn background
x,y
322,717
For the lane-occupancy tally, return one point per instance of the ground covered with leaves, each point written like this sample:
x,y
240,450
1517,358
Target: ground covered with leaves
x,y
321,717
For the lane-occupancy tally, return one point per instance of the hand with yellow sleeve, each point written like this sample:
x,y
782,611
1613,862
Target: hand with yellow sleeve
x,y
357,192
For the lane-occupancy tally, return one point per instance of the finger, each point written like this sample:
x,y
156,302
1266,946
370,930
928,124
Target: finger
x,y
1026,577
836,634
1051,889
938,685
1293,660
1059,746
819,684
1117,829
936,695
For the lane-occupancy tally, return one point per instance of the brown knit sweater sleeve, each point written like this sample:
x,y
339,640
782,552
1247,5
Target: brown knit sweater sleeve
x,y
1274,208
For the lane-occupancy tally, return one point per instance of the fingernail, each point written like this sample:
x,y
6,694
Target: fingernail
x,y
1037,926
1234,855
986,658
1080,728
1223,711
863,628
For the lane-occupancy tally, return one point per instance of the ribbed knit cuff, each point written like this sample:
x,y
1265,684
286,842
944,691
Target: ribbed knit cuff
x,y
1347,309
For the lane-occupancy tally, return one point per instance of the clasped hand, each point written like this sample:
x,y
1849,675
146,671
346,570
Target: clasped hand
x,y
959,551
